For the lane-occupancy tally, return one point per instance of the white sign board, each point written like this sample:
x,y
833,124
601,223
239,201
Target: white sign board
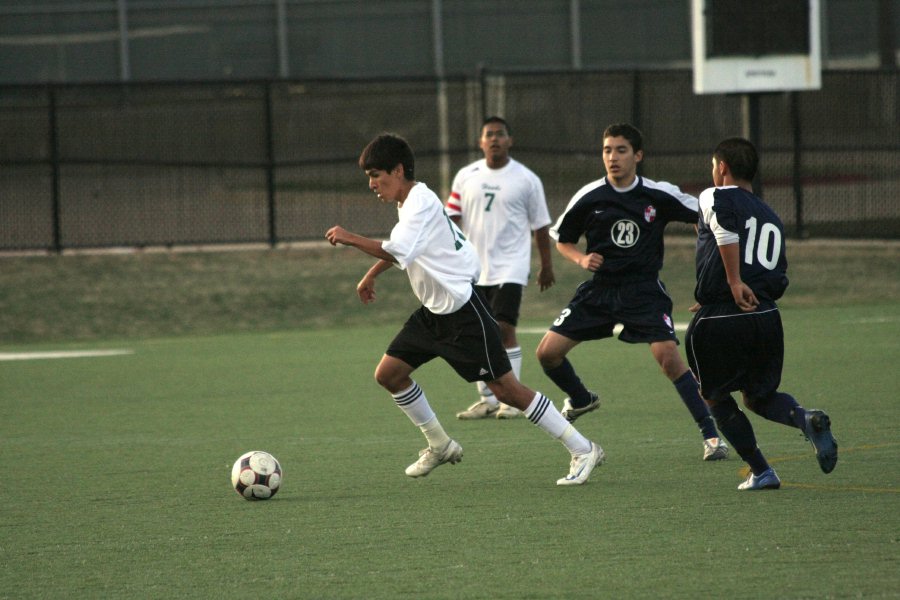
x,y
743,46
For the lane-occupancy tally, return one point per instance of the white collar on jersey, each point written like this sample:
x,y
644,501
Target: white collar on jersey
x,y
623,189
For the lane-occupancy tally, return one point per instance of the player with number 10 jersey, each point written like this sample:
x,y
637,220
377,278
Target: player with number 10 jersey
x,y
732,214
735,341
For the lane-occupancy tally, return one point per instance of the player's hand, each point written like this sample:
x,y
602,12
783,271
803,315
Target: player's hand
x,y
546,278
365,289
744,297
591,261
337,235
695,307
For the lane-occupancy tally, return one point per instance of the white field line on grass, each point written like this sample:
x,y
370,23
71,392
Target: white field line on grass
x,y
616,330
871,320
683,326
62,354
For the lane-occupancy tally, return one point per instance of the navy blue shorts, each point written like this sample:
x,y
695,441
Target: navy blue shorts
x,y
643,308
505,301
469,340
729,350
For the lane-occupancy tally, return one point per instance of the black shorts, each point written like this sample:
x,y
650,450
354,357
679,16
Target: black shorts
x,y
505,301
469,340
729,350
643,308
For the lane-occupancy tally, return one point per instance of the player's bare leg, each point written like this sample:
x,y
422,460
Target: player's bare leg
x,y
540,410
514,352
395,376
487,405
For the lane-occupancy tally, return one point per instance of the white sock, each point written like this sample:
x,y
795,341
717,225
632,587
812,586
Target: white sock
x,y
543,413
486,394
435,434
515,359
412,401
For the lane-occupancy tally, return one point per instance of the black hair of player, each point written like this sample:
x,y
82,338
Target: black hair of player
x,y
387,151
496,119
627,131
740,156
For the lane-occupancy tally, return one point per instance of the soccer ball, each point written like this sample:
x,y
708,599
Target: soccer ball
x,y
256,475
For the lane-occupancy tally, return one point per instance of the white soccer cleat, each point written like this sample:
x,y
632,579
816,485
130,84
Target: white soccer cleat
x,y
767,480
430,459
581,466
714,449
480,410
508,412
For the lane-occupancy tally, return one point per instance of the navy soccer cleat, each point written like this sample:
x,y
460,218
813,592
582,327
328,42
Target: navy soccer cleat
x,y
571,413
817,429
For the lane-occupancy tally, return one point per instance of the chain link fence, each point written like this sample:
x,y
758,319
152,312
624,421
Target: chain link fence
x,y
159,164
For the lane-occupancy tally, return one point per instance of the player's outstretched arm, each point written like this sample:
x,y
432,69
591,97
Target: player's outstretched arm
x,y
338,235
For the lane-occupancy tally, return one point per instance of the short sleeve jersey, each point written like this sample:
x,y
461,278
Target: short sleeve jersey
x,y
440,262
499,208
625,226
732,215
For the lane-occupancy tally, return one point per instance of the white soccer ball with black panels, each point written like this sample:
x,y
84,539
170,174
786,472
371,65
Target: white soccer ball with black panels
x,y
256,475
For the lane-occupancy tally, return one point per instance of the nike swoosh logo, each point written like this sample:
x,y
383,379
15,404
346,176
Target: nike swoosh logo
x,y
575,476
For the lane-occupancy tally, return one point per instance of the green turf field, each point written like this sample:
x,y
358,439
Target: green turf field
x,y
117,477
116,468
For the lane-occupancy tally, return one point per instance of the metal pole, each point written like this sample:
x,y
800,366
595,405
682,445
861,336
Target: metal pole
x,y
887,56
124,53
443,111
282,36
750,110
482,87
270,167
54,169
635,109
798,166
575,26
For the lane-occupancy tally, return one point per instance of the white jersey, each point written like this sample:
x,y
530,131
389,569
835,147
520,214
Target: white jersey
x,y
441,263
499,208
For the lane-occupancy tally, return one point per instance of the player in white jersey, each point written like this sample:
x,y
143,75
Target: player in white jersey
x,y
453,323
499,203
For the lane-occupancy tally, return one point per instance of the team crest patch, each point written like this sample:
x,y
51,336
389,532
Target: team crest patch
x,y
649,214
668,321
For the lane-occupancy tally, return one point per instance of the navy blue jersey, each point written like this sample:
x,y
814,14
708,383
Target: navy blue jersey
x,y
731,215
625,226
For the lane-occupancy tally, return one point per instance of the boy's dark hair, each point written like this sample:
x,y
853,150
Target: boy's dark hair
x,y
740,156
496,119
627,131
387,151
